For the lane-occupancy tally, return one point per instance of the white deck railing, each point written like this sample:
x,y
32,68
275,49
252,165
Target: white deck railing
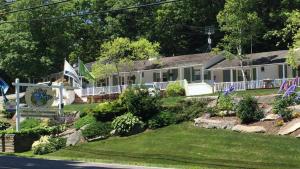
x,y
253,84
94,91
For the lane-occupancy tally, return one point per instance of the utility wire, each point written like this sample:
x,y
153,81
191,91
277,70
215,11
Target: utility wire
x,y
95,13
36,7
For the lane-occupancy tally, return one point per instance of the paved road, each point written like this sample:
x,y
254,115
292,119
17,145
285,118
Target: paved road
x,y
12,162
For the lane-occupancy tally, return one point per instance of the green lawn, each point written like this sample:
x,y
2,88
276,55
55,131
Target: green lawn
x,y
79,107
185,146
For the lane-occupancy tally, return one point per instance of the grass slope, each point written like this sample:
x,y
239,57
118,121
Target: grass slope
x,y
185,146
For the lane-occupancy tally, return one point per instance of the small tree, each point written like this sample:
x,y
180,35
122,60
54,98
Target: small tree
x,y
240,24
121,52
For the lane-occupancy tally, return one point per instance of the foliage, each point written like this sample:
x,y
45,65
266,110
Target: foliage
x,y
293,28
225,102
187,110
139,102
175,89
30,123
88,119
177,27
7,114
107,111
240,24
248,110
280,106
97,129
40,131
4,125
47,145
127,124
118,55
162,119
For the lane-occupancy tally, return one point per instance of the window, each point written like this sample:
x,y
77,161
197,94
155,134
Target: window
x,y
207,75
196,74
156,77
262,69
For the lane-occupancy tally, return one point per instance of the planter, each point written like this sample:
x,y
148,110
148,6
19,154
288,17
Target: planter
x,y
16,143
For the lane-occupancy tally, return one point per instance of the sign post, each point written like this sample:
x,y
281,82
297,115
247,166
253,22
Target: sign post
x,y
39,98
17,86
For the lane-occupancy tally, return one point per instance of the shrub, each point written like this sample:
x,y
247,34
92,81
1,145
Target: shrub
x,y
190,109
213,111
280,107
97,129
127,124
248,110
4,125
139,102
175,89
89,119
225,102
47,145
162,119
8,114
30,123
107,111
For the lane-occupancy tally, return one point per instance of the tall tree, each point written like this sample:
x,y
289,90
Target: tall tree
x,y
241,25
293,27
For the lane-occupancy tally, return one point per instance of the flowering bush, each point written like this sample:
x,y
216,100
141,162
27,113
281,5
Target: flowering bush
x,y
127,124
47,145
175,89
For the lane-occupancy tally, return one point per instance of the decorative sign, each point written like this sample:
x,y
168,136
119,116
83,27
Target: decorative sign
x,y
39,97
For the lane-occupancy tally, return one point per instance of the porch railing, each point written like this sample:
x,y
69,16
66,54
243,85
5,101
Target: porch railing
x,y
93,91
254,84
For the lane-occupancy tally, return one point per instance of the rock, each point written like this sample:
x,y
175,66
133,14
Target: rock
x,y
290,127
212,104
266,99
267,110
210,123
113,132
67,133
206,115
249,129
75,138
295,108
298,136
271,117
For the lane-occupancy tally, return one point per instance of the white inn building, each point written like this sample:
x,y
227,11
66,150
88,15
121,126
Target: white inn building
x,y
198,73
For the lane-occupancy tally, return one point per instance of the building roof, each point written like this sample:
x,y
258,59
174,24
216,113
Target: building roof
x,y
207,59
254,59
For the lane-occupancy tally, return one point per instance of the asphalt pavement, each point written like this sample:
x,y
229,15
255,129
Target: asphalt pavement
x,y
13,162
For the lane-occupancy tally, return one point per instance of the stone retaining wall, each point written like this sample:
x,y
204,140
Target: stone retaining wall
x,y
17,143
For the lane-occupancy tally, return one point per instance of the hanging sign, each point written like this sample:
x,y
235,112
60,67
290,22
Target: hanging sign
x,y
39,97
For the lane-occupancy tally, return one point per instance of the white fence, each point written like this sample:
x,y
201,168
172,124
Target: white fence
x,y
98,91
254,84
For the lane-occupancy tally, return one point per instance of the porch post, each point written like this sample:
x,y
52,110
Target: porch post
x,y
283,71
202,74
141,77
212,80
160,75
231,76
180,73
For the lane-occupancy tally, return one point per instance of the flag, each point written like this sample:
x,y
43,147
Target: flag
x,y
69,71
84,71
3,89
4,85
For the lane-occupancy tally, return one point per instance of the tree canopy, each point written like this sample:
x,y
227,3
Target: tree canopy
x,y
36,38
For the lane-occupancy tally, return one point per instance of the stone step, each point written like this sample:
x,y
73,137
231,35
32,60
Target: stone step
x,y
290,127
